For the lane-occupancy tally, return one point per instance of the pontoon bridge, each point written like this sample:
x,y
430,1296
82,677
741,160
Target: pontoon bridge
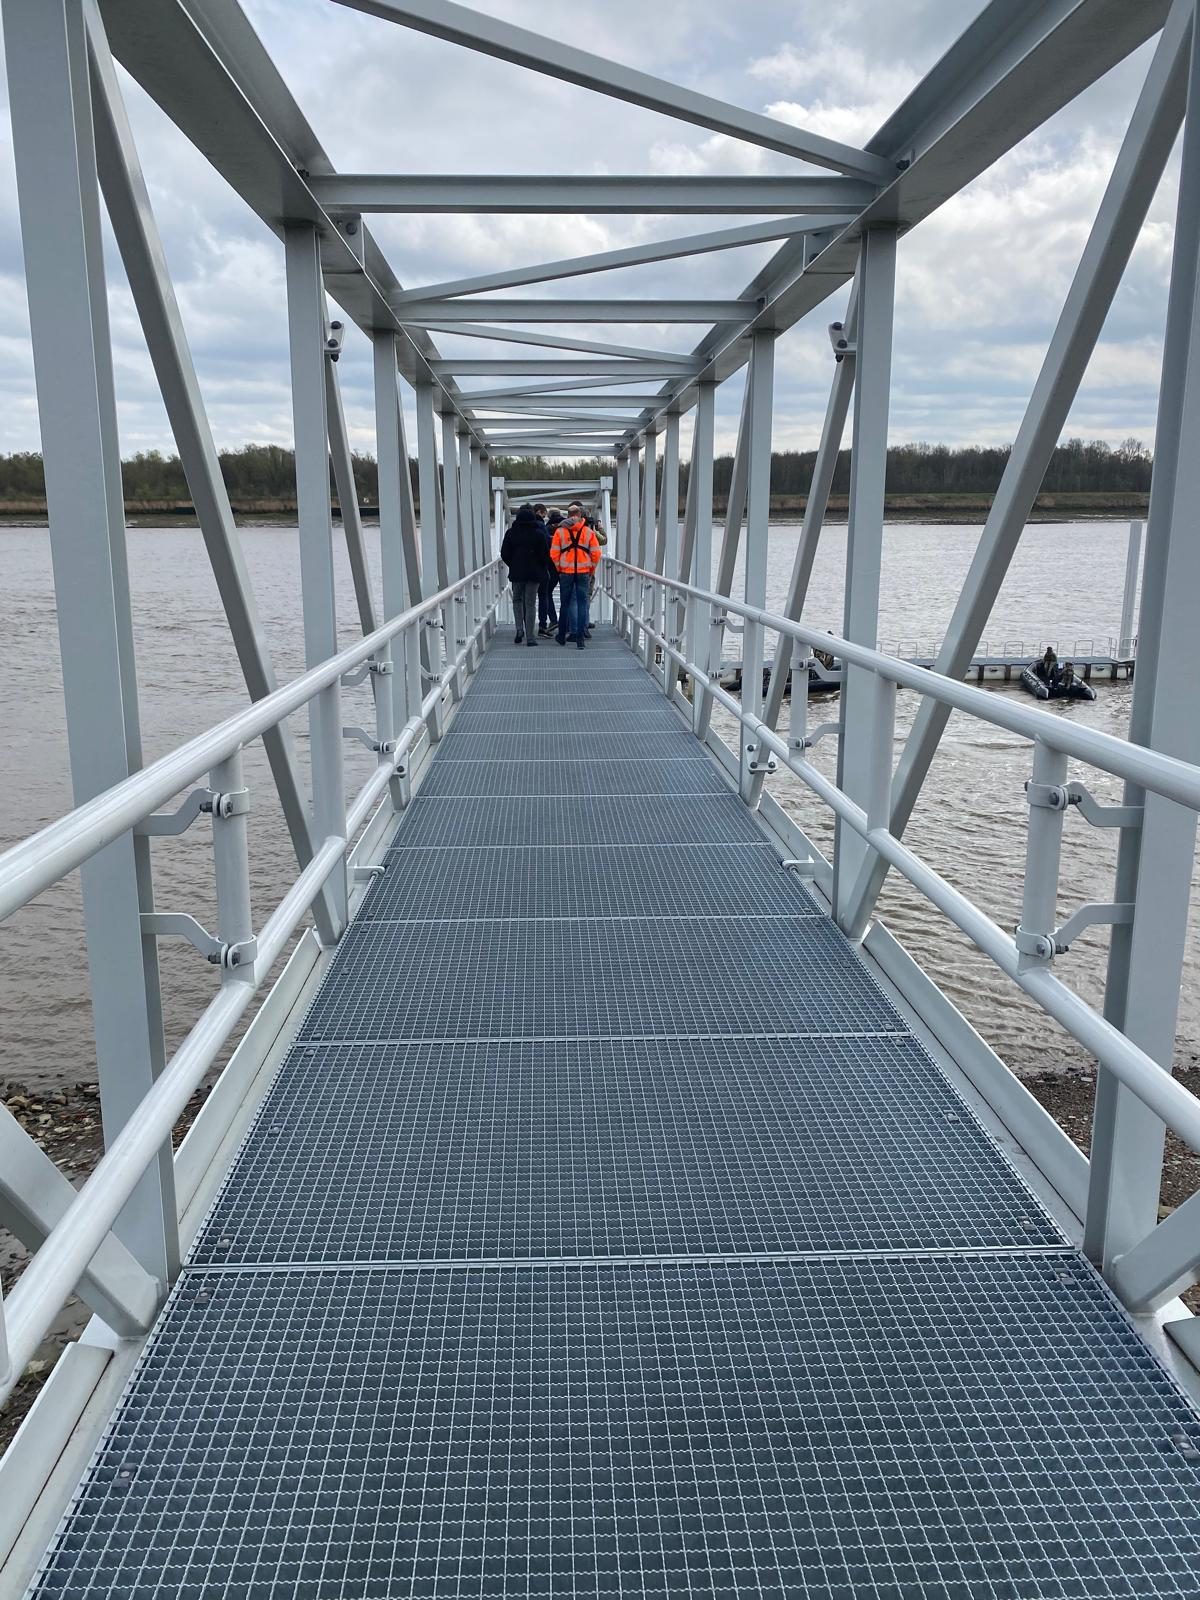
x,y
685,1240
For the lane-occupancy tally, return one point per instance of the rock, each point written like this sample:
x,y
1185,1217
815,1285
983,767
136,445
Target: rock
x,y
17,1102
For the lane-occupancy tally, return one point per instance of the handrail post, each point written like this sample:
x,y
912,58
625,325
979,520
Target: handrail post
x,y
1043,853
307,332
231,860
761,382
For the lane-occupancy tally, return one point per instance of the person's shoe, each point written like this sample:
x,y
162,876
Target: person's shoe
x,y
531,644
520,639
579,644
558,639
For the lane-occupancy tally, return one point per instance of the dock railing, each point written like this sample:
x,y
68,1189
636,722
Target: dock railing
x,y
1157,1264
79,1247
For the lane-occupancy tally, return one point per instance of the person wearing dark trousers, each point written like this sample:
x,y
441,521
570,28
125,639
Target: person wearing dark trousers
x,y
575,551
547,615
523,552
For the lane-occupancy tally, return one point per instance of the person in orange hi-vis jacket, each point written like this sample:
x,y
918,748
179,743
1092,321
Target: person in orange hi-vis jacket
x,y
575,552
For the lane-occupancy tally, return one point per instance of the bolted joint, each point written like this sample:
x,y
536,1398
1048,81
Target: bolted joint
x,y
231,803
332,343
237,957
1040,946
1051,796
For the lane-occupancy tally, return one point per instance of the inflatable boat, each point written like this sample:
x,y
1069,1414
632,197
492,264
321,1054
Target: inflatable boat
x,y
1055,688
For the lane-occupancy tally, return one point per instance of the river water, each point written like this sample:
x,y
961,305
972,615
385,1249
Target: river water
x,y
1064,586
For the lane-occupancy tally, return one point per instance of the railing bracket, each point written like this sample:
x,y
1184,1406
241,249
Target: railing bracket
x,y
354,731
178,925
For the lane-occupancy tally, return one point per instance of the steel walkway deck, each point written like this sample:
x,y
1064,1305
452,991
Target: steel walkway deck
x,y
608,1232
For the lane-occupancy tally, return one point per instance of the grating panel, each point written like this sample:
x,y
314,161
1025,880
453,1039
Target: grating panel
x,y
573,980
464,822
948,1430
678,776
585,881
438,1152
637,719
545,696
568,745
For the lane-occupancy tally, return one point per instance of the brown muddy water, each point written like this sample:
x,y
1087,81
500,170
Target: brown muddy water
x,y
1065,586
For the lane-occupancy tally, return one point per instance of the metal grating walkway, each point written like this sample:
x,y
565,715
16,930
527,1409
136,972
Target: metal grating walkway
x,y
607,1232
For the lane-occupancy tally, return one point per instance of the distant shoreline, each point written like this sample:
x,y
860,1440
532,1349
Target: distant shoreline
x,y
924,508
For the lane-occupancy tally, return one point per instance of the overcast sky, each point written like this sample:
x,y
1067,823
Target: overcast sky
x,y
979,283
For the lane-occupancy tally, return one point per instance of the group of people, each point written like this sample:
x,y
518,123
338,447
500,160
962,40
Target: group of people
x,y
544,549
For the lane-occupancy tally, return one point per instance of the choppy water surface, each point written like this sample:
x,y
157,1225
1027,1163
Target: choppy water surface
x,y
1065,585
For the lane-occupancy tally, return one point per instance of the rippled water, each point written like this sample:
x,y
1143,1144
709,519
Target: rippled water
x,y
1065,585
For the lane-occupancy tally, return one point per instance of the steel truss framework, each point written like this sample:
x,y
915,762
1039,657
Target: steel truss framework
x,y
1017,64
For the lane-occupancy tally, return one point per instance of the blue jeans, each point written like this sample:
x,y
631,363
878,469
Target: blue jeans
x,y
572,605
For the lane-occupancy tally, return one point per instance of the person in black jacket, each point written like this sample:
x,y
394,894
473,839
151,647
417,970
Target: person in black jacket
x,y
524,553
547,615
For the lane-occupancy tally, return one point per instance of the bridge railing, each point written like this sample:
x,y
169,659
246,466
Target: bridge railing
x,y
79,1248
687,624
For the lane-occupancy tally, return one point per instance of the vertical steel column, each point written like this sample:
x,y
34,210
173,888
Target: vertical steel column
x,y
633,532
68,310
131,214
431,533
700,490
606,522
731,537
864,539
457,492
397,530
666,554
761,382
1155,862
306,338
1133,566
646,536
810,535
469,484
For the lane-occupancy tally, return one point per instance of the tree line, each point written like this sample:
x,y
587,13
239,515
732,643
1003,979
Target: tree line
x,y
266,472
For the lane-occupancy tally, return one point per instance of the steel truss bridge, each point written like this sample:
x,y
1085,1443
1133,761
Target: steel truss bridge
x,y
685,1239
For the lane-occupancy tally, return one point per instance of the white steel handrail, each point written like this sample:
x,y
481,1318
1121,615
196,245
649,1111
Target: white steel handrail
x,y
1177,780
1149,769
48,855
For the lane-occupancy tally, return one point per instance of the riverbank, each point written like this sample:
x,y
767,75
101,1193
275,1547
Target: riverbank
x,y
66,1123
921,508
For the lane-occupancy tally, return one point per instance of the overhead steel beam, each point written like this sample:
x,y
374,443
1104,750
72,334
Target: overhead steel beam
x,y
494,194
549,310
549,341
485,366
474,30
690,244
558,390
563,396
532,419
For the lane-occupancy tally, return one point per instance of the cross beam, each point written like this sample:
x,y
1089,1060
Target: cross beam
x,y
690,244
425,312
584,196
